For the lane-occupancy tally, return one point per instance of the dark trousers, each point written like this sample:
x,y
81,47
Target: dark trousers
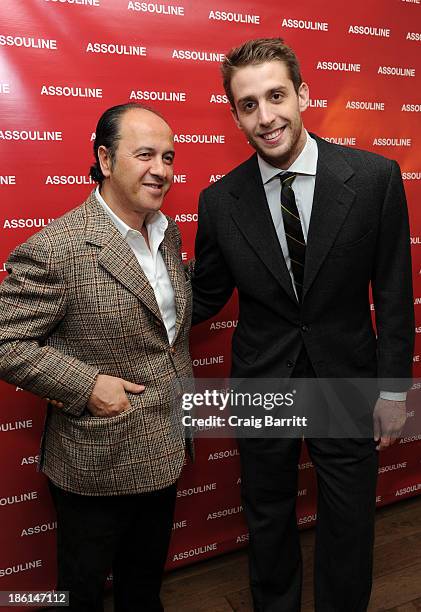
x,y
346,477
129,534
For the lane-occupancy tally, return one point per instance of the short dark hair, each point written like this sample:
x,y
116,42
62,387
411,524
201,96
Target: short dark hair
x,y
107,134
259,51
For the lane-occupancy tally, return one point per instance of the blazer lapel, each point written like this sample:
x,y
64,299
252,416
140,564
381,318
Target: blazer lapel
x,y
116,255
331,203
178,279
252,215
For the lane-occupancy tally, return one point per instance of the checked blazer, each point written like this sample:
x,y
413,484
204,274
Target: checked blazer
x,y
76,303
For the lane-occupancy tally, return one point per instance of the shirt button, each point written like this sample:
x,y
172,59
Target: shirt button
x,y
290,363
304,328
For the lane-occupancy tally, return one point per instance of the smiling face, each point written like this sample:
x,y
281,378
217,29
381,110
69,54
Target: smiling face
x,y
268,111
137,180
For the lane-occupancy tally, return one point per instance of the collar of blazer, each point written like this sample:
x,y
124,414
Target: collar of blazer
x,y
118,259
332,201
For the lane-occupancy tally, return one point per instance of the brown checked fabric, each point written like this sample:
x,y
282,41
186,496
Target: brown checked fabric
x,y
77,303
293,231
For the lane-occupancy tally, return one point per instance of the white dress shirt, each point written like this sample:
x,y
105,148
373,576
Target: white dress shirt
x,y
150,260
303,186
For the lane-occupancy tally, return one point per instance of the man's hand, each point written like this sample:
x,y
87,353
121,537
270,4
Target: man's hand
x,y
109,398
389,418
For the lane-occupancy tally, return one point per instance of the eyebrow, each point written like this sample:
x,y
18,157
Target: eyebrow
x,y
151,150
271,91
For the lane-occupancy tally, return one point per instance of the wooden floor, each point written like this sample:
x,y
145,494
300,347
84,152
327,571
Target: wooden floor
x,y
220,585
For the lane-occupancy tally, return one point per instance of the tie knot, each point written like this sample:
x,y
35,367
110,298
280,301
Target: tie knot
x,y
287,178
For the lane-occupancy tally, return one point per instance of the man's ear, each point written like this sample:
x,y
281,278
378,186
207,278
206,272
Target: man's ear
x,y
104,160
303,96
235,117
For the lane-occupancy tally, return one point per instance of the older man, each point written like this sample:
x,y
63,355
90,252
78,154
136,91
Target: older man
x,y
95,315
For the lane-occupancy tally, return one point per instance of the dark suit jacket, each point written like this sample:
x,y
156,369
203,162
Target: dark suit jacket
x,y
358,234
77,303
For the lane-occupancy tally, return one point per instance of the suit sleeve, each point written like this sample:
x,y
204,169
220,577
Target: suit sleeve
x,y
392,289
32,304
212,281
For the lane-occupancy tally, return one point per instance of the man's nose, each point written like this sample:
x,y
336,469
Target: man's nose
x,y
158,167
266,115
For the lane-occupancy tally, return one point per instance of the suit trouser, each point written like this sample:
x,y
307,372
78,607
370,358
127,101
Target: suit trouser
x,y
346,478
129,534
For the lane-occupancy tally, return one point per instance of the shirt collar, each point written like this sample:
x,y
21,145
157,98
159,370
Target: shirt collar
x,y
155,221
306,162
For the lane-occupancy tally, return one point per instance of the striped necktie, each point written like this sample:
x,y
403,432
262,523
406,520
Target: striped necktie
x,y
293,231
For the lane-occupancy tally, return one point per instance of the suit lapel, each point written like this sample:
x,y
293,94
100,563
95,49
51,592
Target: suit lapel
x,y
116,255
252,215
331,204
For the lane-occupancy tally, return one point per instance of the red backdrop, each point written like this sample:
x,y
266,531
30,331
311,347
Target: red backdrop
x,y
62,62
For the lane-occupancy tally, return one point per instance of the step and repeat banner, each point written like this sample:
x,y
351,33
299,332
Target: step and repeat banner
x,y
62,62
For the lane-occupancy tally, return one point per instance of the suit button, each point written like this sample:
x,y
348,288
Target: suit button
x,y
290,363
304,328
172,350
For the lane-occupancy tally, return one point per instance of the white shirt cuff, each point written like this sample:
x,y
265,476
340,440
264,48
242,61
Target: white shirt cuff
x,y
394,397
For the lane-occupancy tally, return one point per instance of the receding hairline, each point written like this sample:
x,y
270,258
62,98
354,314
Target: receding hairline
x,y
145,110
